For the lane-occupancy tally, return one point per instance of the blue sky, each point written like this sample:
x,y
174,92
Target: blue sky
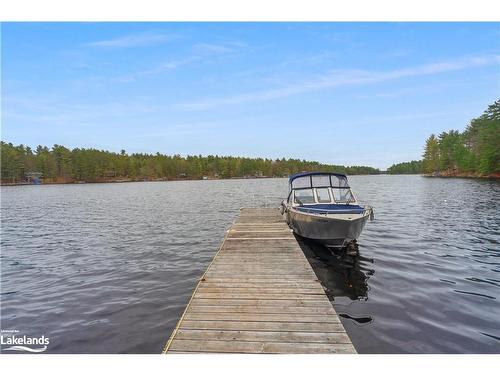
x,y
341,93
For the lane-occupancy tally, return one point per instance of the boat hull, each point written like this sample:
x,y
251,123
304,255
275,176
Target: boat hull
x,y
334,232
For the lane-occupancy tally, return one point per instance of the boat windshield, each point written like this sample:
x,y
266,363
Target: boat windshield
x,y
321,188
343,195
323,195
304,196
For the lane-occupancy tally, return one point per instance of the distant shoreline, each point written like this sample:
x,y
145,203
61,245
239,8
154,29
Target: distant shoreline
x,y
449,174
119,181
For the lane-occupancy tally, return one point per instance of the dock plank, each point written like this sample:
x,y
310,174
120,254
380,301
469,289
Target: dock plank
x,y
262,326
263,317
256,303
217,346
304,310
263,336
266,285
259,295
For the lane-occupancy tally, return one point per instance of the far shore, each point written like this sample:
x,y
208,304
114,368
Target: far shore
x,y
447,174
453,174
115,181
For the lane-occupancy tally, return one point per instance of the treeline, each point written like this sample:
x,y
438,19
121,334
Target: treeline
x,y
409,167
473,152
60,164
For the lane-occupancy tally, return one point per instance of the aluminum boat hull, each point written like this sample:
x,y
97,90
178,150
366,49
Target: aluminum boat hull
x,y
334,231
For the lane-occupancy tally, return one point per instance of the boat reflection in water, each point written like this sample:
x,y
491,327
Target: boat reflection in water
x,y
341,275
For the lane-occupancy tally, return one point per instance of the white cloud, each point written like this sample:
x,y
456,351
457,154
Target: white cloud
x,y
211,48
335,78
134,40
159,69
200,52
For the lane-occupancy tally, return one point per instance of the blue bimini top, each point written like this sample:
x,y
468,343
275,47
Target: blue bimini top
x,y
331,209
304,174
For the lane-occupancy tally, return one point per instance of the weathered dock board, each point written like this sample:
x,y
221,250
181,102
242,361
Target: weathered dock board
x,y
259,295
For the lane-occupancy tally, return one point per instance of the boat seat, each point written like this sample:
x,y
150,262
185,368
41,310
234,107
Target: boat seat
x,y
331,208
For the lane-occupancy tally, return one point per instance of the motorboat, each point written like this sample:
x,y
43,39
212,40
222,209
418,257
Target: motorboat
x,y
321,206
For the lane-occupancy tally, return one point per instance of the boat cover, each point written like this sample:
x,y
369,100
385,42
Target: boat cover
x,y
303,174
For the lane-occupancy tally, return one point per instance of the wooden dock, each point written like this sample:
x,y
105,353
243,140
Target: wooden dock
x,y
259,295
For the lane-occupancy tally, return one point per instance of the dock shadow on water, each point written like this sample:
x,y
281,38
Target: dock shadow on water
x,y
340,274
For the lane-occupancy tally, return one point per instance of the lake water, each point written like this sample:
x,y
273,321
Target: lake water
x,y
109,268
